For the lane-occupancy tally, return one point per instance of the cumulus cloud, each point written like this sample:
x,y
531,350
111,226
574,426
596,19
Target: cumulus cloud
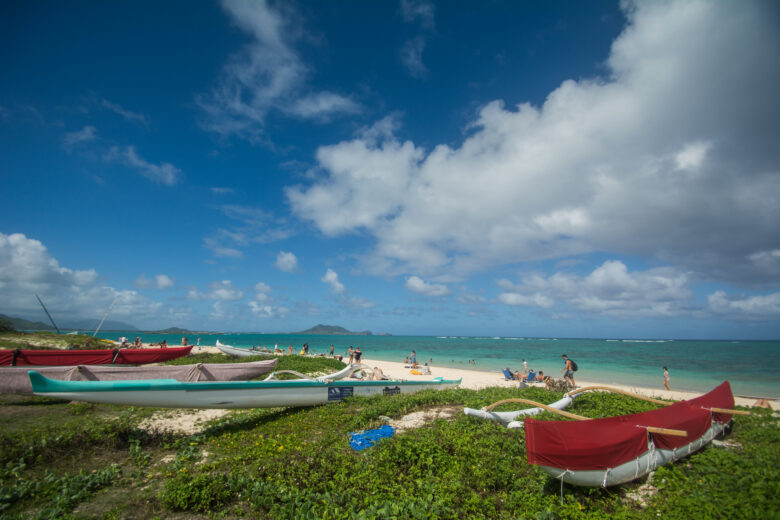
x,y
610,289
419,286
224,290
163,173
267,75
670,155
332,278
27,268
760,307
161,281
286,261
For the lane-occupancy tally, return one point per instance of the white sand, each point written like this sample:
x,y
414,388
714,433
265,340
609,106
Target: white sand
x,y
476,379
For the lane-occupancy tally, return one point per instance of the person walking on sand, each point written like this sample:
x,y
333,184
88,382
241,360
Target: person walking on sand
x,y
568,371
666,379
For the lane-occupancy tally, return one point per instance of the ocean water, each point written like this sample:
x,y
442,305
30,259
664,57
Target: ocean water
x,y
695,365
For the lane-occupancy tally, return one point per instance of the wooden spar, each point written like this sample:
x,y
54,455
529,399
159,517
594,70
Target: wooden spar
x,y
664,431
649,399
728,411
618,391
47,314
538,405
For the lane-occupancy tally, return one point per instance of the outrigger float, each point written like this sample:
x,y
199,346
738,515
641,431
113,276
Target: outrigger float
x,y
615,450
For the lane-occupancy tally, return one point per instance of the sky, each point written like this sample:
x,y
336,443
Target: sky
x,y
504,168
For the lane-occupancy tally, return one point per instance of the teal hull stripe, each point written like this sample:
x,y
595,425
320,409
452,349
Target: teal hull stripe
x,y
43,384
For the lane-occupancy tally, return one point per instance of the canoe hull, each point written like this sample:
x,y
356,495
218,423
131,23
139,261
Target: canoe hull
x,y
237,394
14,380
637,468
125,356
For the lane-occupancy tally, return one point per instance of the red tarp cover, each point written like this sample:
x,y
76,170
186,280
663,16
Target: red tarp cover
x,y
129,356
606,443
6,356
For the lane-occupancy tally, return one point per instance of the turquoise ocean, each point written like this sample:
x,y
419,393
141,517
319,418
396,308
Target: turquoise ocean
x,y
697,365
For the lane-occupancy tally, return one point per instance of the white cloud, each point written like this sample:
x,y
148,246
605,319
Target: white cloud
x,y
127,114
418,10
609,290
264,310
164,173
595,168
249,226
411,57
692,156
286,261
224,290
332,278
418,285
221,191
266,75
163,281
27,268
762,307
85,135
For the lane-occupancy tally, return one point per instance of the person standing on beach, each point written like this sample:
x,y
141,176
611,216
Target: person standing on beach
x,y
568,372
331,351
351,353
666,379
413,359
525,367
358,355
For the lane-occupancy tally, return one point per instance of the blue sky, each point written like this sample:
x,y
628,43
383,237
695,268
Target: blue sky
x,y
588,169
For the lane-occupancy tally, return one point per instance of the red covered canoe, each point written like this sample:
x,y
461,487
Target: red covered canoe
x,y
615,450
125,356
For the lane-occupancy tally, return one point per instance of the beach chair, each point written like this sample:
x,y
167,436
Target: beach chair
x,y
531,377
508,375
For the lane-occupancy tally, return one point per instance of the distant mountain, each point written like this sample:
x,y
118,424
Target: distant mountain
x,y
333,329
22,324
172,330
85,325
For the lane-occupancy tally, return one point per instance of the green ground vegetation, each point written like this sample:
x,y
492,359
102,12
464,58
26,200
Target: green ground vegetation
x,y
77,460
47,340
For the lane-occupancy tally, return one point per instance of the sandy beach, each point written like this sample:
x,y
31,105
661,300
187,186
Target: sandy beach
x,y
475,379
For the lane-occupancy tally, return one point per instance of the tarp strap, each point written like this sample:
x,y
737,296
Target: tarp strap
x,y
16,354
606,475
116,354
560,477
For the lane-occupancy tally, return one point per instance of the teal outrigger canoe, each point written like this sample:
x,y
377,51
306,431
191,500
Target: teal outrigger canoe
x,y
169,393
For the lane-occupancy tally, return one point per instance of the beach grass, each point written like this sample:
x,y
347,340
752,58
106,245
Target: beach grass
x,y
76,460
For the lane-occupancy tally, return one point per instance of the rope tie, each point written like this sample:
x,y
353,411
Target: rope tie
x,y
560,477
606,474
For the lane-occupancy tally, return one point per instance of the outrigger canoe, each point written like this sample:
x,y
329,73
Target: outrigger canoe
x,y
269,393
15,380
124,356
240,352
615,450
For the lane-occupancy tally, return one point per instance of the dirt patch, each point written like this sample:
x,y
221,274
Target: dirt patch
x,y
418,419
640,495
187,422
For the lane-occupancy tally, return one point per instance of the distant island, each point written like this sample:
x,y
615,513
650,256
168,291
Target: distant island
x,y
334,330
